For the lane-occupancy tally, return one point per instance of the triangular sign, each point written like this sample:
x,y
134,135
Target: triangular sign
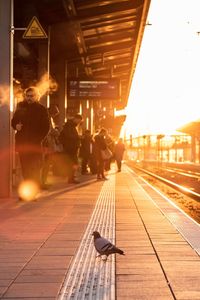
x,y
34,30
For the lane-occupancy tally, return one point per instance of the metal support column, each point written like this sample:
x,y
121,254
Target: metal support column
x,y
6,99
65,96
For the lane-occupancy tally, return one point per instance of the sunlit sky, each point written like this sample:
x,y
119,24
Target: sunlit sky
x,y
165,92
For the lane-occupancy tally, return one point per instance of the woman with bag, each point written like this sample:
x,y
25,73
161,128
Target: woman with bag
x,y
100,152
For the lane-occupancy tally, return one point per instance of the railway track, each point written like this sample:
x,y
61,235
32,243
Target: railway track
x,y
187,191
187,173
182,189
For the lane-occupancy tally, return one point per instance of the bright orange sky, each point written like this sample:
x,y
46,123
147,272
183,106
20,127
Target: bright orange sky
x,y
165,92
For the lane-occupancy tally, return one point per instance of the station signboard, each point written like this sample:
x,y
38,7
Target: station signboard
x,y
97,89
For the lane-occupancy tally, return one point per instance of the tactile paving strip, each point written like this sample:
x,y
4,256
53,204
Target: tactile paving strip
x,y
90,277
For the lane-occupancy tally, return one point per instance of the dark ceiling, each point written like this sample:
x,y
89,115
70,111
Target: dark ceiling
x,y
98,38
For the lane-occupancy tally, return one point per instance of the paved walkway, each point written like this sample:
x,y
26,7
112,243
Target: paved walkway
x,y
39,240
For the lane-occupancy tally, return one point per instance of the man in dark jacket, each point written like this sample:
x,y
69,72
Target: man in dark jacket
x,y
99,145
71,142
31,123
86,153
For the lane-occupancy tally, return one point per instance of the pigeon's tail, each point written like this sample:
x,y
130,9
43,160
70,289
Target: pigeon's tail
x,y
120,251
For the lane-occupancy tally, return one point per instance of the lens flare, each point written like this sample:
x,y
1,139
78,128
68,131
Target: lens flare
x,y
47,84
4,94
28,190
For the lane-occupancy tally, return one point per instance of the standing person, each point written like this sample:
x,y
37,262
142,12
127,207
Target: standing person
x,y
100,144
85,151
31,122
119,153
110,144
70,139
50,150
50,146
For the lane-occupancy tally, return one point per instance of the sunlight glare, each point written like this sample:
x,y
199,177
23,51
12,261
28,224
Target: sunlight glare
x,y
165,90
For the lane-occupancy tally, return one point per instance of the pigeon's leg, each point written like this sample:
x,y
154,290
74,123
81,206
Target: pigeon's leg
x,y
99,255
104,258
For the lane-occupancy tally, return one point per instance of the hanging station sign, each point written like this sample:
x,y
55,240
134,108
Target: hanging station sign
x,y
97,89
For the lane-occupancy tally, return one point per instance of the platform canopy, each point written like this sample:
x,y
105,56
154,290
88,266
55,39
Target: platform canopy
x,y
98,38
192,128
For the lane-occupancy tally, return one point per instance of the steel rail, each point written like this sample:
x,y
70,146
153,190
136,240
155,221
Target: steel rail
x,y
183,173
176,186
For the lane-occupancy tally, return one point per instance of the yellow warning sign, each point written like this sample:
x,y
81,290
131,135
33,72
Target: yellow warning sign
x,y
34,30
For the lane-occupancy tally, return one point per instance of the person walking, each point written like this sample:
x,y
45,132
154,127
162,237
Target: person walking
x,y
119,153
70,139
31,123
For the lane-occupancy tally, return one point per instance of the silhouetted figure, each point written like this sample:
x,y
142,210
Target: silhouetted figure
x,y
110,144
31,122
86,151
119,153
51,146
51,149
70,139
100,144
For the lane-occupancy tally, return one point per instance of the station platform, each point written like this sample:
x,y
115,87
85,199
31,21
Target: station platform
x,y
47,251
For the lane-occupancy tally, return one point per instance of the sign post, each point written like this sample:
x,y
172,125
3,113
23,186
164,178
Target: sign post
x,y
36,31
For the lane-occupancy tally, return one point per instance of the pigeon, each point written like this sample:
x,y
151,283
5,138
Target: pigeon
x,y
105,247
